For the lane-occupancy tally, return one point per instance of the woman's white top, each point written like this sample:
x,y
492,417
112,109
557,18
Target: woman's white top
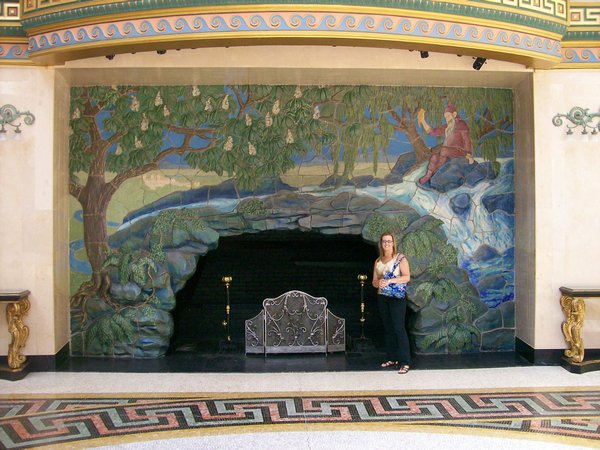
x,y
381,267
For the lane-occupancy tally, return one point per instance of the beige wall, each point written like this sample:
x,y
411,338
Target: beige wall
x,y
28,251
524,213
567,189
555,227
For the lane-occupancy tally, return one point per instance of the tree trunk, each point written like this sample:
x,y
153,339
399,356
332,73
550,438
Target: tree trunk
x,y
422,152
94,202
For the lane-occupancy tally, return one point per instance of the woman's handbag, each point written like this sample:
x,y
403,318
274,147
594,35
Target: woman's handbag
x,y
396,290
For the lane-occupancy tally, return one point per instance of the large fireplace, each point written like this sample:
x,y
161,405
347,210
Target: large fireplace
x,y
267,264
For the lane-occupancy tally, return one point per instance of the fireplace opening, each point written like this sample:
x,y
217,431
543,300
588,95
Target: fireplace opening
x,y
265,265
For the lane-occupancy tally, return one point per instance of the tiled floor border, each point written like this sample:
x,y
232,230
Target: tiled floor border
x,y
566,415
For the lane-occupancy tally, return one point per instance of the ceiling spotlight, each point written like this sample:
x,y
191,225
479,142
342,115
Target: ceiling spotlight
x,y
161,52
424,55
110,57
479,62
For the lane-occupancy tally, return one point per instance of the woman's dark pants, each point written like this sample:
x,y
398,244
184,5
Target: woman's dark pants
x,y
393,316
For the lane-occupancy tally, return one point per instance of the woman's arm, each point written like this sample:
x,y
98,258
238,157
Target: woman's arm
x,y
375,281
404,271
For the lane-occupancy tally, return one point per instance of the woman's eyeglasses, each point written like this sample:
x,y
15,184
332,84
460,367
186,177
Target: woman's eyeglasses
x,y
387,241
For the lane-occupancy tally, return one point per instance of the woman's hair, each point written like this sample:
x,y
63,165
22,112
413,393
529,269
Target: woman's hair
x,y
395,246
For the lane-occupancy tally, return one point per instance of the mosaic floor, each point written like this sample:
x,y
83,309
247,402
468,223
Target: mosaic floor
x,y
570,416
493,408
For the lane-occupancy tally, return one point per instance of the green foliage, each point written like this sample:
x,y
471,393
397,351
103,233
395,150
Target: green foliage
x,y
435,340
460,337
420,243
444,289
445,256
425,289
164,225
132,265
252,207
459,332
109,330
378,224
375,226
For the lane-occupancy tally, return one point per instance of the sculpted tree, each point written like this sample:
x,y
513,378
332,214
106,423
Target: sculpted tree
x,y
248,133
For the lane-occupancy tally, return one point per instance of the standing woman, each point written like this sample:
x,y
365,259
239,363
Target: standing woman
x,y
390,275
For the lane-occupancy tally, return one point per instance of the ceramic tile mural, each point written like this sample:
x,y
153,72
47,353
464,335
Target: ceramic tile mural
x,y
159,173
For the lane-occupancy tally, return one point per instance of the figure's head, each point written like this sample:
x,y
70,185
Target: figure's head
x,y
450,113
387,242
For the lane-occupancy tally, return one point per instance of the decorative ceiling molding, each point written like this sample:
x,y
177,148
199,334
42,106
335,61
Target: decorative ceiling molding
x,y
535,33
294,25
550,15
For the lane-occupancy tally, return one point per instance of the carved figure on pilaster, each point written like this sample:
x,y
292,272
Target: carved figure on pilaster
x,y
574,309
19,332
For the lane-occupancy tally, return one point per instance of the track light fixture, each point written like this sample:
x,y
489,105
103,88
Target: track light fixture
x,y
479,62
161,52
424,55
110,57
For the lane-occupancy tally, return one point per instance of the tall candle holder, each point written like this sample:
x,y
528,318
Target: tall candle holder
x,y
226,323
362,278
363,344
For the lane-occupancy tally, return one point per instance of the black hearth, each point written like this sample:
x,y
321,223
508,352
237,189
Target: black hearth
x,y
267,264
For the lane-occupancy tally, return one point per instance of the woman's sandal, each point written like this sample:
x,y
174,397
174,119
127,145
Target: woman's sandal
x,y
404,369
388,364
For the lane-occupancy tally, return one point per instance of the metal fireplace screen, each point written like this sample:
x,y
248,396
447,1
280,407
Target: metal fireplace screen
x,y
295,322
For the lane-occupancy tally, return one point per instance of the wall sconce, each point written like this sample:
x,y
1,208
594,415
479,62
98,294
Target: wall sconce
x,y
8,116
579,117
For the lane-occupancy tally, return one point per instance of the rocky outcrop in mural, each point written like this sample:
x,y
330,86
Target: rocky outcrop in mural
x,y
157,253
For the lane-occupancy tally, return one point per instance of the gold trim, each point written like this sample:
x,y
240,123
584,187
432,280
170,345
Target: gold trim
x,y
16,62
584,4
10,23
583,44
579,66
575,29
13,40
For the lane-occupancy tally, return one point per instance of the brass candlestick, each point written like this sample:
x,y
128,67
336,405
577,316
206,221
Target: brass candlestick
x,y
362,278
226,323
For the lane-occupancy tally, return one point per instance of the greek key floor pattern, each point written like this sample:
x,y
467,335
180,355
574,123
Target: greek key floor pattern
x,y
570,415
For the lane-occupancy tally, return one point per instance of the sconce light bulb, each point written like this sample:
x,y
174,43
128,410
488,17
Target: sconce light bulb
x,y
3,135
18,135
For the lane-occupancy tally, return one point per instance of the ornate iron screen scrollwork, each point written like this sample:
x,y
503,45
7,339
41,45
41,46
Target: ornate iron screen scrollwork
x,y
295,322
